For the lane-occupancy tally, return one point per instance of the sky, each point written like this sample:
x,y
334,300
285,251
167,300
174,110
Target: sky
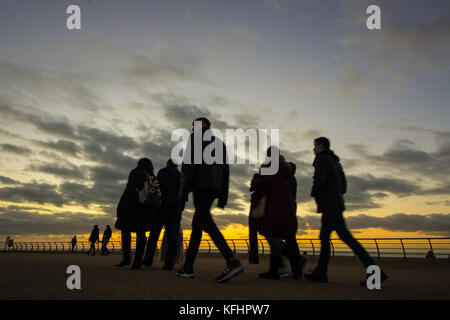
x,y
78,108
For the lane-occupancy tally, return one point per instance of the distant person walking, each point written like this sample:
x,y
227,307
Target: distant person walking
x,y
93,239
329,185
207,182
169,216
73,242
105,239
279,222
132,216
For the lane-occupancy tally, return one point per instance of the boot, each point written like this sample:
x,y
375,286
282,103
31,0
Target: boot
x,y
126,250
273,273
125,261
297,265
140,246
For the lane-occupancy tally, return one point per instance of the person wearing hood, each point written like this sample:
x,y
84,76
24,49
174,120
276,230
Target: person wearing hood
x,y
169,216
329,186
279,223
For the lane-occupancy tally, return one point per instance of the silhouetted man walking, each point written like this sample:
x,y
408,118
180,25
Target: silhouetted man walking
x,y
74,242
107,234
93,239
329,185
207,182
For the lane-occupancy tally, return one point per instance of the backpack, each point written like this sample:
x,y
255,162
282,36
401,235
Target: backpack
x,y
150,195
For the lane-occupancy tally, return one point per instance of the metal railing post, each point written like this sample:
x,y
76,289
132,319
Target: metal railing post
x,y
431,247
209,246
378,250
262,244
312,244
332,246
234,246
403,248
248,247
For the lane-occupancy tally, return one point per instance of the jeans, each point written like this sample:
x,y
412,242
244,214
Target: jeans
x,y
202,221
334,220
276,245
140,245
170,219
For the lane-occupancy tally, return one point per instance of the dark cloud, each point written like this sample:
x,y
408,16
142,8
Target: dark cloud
x,y
65,172
42,193
398,222
8,181
63,146
6,147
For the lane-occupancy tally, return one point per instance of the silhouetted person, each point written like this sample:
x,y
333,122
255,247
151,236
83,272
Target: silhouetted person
x,y
93,239
207,182
329,186
73,242
132,216
105,239
169,216
293,181
279,223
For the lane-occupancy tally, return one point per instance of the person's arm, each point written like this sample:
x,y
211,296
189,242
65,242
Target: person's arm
x,y
320,175
187,172
343,180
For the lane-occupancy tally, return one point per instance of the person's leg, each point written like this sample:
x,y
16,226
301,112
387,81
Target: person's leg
x,y
296,260
126,249
151,243
195,240
325,250
140,247
348,239
205,199
276,246
172,226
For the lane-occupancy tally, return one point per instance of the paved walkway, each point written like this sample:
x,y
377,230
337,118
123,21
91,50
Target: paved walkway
x,y
43,276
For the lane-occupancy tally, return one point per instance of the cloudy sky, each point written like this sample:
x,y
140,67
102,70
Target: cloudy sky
x,y
78,108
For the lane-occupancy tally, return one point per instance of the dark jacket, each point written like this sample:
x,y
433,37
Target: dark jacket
x,y
133,216
279,218
329,182
293,180
169,181
107,234
94,237
204,176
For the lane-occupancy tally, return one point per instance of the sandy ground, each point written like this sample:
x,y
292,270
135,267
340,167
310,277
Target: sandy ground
x,y
43,276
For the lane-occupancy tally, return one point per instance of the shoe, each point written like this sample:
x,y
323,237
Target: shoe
x,y
147,262
186,272
315,276
124,262
233,269
297,268
274,268
383,277
136,265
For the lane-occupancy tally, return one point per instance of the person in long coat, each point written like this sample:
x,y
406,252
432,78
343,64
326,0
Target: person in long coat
x,y
279,223
132,216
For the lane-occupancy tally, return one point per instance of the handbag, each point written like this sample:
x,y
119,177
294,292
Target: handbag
x,y
259,210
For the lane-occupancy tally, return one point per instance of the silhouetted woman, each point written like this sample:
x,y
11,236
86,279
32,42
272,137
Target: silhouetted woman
x,y
279,223
132,216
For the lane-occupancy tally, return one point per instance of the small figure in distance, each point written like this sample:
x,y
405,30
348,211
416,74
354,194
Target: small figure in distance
x,y
73,242
93,239
106,236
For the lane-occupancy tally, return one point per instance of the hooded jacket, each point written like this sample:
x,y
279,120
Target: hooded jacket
x,y
329,182
169,181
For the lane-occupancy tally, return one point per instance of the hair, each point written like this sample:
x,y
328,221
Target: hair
x,y
203,120
146,164
323,141
170,163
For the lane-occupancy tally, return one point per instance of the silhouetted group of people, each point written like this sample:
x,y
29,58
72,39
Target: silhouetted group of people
x,y
274,195
94,238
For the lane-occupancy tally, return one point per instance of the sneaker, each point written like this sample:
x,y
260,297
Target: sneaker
x,y
233,268
315,276
186,272
383,277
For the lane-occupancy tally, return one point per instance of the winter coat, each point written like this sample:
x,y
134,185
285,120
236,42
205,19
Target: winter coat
x,y
131,214
205,176
94,237
169,181
279,219
329,182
